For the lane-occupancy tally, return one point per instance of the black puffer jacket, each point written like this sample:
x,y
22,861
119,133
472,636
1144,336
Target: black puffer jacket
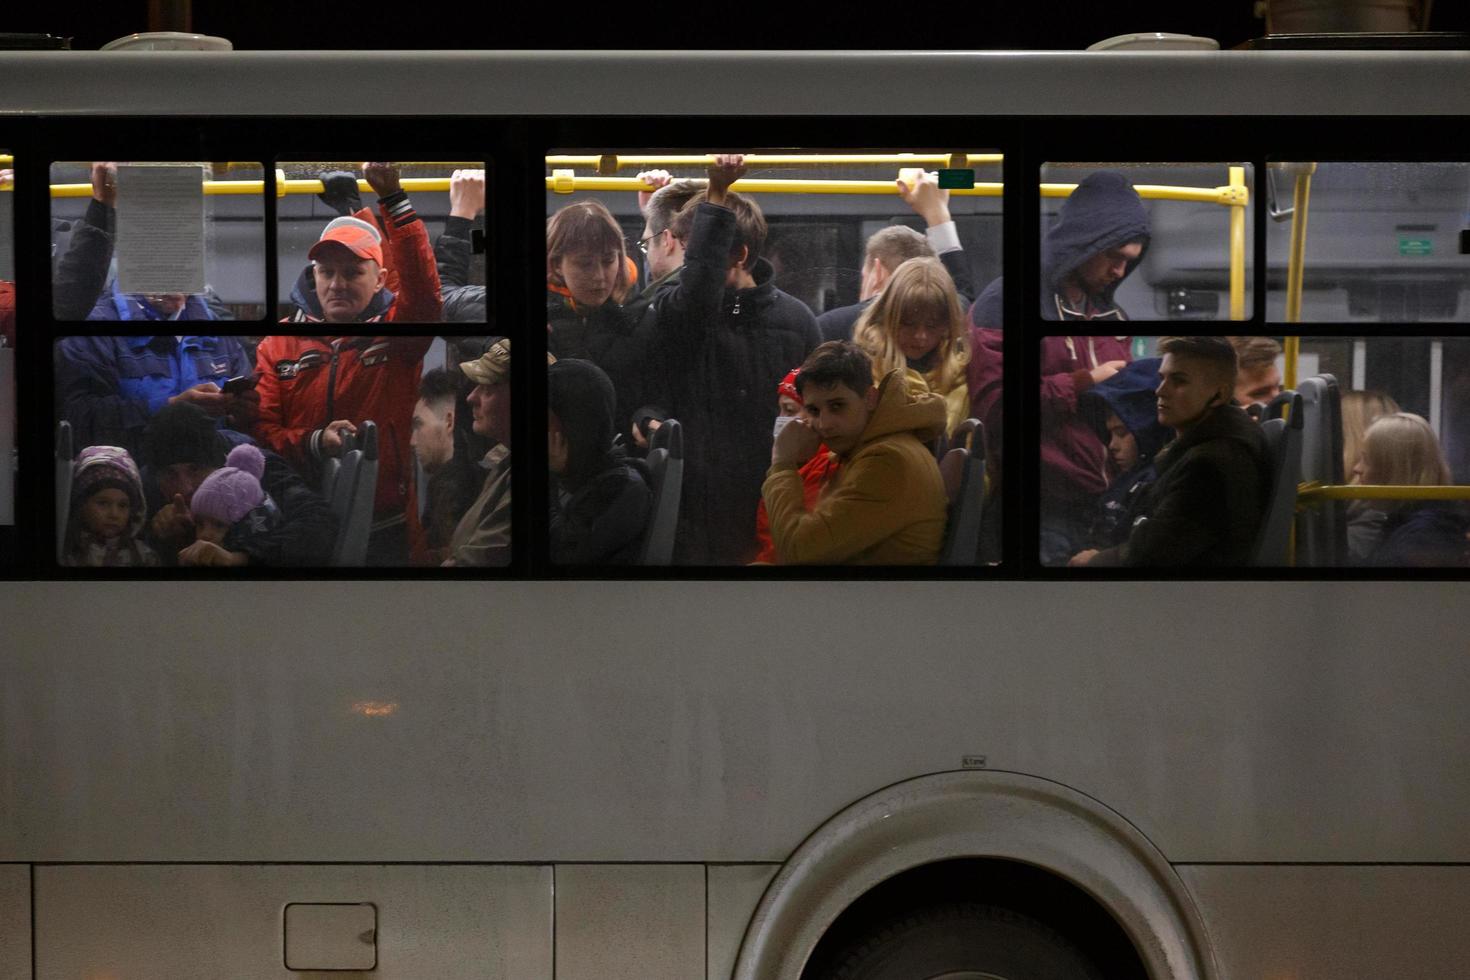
x,y
453,253
610,337
600,505
721,353
1208,504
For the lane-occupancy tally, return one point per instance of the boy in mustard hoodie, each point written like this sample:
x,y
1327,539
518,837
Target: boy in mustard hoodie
x,y
887,505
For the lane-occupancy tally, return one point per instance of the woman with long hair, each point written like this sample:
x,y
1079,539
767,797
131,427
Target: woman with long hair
x,y
917,323
1401,449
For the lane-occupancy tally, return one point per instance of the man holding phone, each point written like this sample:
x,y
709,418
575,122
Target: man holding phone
x,y
109,387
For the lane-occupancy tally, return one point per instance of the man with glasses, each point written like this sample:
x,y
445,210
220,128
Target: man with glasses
x,y
663,254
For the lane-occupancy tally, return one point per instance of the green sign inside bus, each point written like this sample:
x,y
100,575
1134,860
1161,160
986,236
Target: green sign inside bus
x,y
1416,246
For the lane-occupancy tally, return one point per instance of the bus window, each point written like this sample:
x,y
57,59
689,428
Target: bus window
x,y
1145,241
378,451
685,290
426,219
1166,462
157,241
1376,242
7,352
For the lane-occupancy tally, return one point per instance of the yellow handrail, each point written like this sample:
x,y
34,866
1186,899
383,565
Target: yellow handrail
x,y
1300,197
1237,248
283,187
1292,355
608,164
1311,493
566,182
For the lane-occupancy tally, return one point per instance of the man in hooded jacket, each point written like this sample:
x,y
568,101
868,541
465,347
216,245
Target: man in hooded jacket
x,y
600,503
1098,239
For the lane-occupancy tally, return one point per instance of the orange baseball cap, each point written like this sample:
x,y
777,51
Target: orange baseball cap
x,y
354,234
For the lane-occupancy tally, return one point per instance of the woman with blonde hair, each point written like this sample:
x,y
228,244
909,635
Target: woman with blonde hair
x,y
917,323
1360,409
1400,449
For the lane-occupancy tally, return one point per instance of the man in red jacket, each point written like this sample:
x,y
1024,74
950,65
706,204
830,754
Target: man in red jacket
x,y
366,271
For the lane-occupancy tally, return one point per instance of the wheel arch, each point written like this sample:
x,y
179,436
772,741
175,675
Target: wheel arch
x,y
977,814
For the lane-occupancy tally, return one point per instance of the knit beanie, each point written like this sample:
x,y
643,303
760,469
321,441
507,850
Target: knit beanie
x,y
787,387
231,492
108,468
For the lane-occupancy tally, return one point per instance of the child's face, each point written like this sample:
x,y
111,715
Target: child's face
x,y
209,529
789,406
106,513
1122,445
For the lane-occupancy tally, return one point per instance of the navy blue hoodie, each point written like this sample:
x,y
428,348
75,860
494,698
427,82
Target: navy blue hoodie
x,y
1102,213
1129,394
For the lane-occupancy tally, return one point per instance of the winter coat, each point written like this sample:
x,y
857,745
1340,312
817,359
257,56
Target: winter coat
x,y
482,536
720,352
885,506
306,382
1207,506
609,336
301,532
1074,461
82,271
1129,394
453,252
7,313
109,387
1431,534
410,293
816,473
600,505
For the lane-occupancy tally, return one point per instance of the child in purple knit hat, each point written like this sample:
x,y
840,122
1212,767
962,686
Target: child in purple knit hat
x,y
107,512
229,508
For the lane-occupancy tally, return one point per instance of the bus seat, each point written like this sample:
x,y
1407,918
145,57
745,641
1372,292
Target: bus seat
x,y
1284,440
1277,406
666,465
64,453
1321,532
964,484
357,487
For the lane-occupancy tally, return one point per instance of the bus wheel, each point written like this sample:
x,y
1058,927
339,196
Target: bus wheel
x,y
963,941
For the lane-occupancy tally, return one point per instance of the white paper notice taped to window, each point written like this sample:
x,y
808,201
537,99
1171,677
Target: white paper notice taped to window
x,y
160,229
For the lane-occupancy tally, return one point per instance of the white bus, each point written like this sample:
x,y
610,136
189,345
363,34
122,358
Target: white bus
x,y
999,771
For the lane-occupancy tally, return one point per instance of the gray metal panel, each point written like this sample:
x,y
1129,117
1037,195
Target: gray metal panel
x,y
1326,923
629,922
734,892
1229,721
598,83
226,921
15,922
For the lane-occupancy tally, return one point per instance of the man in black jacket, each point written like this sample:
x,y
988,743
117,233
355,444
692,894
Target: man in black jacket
x,y
1209,502
724,337
890,247
181,447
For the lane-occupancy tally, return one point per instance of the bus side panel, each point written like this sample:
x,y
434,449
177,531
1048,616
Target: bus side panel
x,y
15,922
734,892
629,920
719,722
1327,922
228,921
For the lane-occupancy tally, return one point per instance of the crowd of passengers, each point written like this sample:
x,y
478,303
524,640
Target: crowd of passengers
x,y
209,450
1149,462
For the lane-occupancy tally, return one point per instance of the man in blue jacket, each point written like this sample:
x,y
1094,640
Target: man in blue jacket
x,y
109,387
